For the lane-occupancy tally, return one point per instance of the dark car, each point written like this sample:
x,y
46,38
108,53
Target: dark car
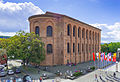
x,y
27,78
17,70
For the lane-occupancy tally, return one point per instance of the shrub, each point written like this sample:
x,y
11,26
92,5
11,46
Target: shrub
x,y
77,74
93,68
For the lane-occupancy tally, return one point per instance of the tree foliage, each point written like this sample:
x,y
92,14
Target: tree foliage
x,y
25,46
111,47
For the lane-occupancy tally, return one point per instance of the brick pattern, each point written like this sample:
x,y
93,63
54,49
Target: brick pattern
x,y
90,42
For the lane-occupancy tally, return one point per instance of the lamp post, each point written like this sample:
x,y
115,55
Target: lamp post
x,y
116,66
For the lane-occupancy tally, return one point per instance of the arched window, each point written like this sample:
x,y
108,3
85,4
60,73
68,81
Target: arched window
x,y
74,31
83,33
68,48
87,34
37,30
90,35
49,48
49,31
68,30
78,32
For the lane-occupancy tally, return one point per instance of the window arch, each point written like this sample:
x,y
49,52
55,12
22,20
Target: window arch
x,y
90,35
49,31
83,33
68,48
78,32
68,29
37,30
49,48
73,31
87,34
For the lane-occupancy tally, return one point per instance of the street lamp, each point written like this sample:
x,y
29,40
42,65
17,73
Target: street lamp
x,y
116,66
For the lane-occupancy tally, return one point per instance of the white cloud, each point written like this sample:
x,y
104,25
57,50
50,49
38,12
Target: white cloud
x,y
14,16
1,0
110,33
7,33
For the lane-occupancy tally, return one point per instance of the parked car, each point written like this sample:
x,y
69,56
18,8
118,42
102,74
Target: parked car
x,y
10,72
17,70
27,78
18,79
3,74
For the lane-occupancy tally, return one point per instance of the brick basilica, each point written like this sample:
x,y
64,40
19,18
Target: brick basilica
x,y
66,39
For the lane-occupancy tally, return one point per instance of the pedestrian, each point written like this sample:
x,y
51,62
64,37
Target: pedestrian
x,y
96,77
114,74
40,79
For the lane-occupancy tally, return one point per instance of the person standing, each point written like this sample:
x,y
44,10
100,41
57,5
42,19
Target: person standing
x,y
40,79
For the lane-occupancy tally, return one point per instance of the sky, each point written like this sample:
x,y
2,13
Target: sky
x,y
103,14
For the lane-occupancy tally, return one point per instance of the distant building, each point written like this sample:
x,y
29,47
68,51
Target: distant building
x,y
67,40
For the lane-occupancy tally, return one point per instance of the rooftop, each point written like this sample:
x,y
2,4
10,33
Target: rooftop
x,y
51,14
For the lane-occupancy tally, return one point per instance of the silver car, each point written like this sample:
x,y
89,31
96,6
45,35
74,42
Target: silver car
x,y
10,72
2,74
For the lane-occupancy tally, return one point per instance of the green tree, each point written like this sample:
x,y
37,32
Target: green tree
x,y
27,47
111,47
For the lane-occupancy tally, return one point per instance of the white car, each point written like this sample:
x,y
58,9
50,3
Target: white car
x,y
10,72
2,73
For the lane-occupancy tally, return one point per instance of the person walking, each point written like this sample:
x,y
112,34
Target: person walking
x,y
40,79
114,74
96,78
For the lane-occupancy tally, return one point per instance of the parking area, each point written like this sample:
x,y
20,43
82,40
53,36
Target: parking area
x,y
37,71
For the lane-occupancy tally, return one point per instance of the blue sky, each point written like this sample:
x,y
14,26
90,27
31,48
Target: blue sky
x,y
103,14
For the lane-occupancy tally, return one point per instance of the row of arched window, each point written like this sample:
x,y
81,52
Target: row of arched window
x,y
83,33
49,31
83,46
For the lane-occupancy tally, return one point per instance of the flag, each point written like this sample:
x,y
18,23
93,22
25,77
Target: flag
x,y
102,55
109,56
106,56
97,54
93,56
114,57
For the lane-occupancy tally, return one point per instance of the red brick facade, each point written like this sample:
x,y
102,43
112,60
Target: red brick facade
x,y
66,34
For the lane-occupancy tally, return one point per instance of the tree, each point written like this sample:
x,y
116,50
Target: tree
x,y
111,47
27,47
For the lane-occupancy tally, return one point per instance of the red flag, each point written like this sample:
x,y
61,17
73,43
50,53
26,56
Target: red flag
x,y
104,56
93,56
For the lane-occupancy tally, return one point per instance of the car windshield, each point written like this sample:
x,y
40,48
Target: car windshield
x,y
10,70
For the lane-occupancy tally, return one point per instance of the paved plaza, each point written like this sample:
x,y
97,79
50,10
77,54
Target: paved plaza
x,y
106,73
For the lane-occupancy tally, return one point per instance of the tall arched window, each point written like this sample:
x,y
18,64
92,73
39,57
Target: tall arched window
x,y
78,32
87,34
90,35
73,31
37,30
68,48
83,33
49,31
49,48
68,30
